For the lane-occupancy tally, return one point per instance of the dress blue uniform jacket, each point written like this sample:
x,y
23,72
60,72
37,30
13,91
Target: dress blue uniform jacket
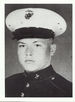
x,y
43,83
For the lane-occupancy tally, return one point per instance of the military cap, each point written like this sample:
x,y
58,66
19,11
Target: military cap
x,y
35,22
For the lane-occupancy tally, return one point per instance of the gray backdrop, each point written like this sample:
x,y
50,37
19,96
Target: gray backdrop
x,y
62,61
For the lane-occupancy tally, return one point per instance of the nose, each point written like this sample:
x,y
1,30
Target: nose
x,y
28,51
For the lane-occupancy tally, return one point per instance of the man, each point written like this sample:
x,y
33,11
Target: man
x,y
35,29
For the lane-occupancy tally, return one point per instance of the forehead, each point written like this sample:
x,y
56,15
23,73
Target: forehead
x,y
34,40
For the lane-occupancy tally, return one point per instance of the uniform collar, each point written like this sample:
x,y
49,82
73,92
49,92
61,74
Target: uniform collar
x,y
40,75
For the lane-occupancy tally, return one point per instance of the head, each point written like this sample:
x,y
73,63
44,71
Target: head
x,y
35,38
35,53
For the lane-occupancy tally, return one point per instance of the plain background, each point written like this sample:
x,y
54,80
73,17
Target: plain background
x,y
62,60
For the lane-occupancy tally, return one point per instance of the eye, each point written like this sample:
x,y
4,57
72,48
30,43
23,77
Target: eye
x,y
38,45
21,45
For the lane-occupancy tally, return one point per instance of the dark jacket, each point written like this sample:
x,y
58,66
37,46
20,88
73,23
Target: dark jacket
x,y
43,83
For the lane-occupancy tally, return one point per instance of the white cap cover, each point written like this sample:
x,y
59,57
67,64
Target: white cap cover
x,y
36,17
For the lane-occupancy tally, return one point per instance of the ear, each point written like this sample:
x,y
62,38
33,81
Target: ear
x,y
53,49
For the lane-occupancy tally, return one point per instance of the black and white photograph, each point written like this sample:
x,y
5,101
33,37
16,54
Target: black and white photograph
x,y
38,50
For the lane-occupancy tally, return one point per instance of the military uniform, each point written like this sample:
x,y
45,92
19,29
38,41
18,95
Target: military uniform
x,y
43,83
37,23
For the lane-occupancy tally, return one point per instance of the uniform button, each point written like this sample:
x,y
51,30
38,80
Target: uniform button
x,y
27,85
22,94
36,76
52,78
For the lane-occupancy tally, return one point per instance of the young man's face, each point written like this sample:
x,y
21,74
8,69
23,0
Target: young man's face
x,y
34,53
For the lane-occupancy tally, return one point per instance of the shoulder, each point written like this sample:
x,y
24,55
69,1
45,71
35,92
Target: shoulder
x,y
13,84
15,77
59,80
62,84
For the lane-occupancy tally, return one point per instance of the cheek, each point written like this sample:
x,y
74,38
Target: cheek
x,y
42,54
20,54
47,52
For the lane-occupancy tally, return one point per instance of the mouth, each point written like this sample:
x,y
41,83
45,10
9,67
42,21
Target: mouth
x,y
29,61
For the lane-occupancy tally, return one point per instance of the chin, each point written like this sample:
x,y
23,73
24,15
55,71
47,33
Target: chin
x,y
30,68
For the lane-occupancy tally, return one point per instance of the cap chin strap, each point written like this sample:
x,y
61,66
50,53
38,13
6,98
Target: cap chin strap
x,y
33,32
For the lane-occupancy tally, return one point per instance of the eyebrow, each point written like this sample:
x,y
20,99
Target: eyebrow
x,y
24,42
21,42
35,41
32,42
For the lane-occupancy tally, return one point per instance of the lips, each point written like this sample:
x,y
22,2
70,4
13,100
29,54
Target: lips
x,y
29,61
